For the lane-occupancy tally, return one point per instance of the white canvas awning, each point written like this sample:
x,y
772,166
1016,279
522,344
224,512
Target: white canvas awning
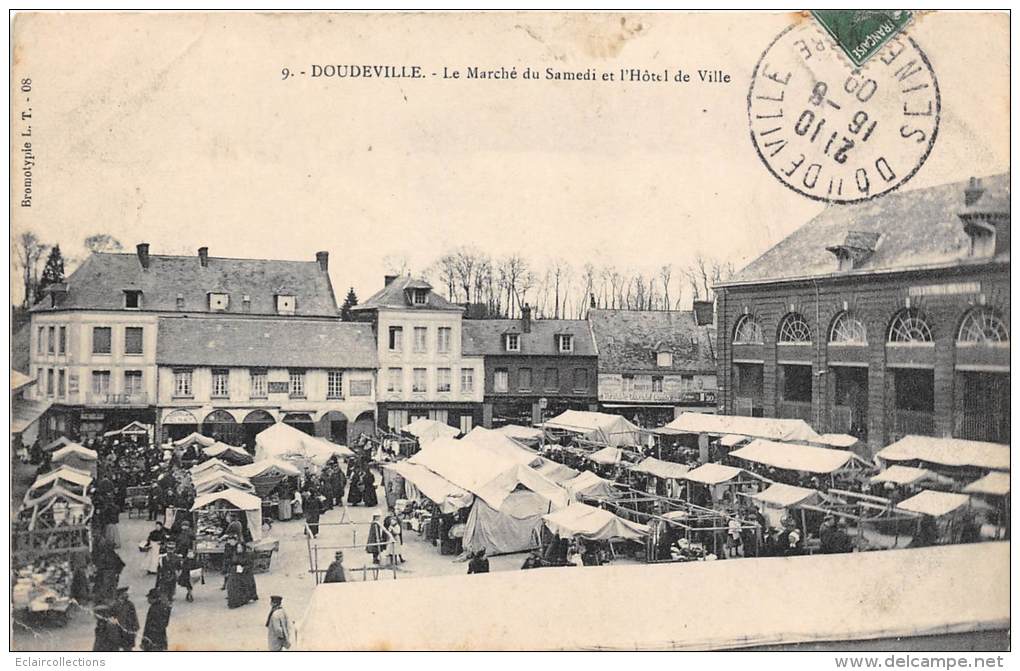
x,y
250,504
72,476
131,429
795,457
948,452
580,520
713,474
524,433
502,445
785,496
74,450
831,599
427,430
448,496
934,503
211,464
837,440
228,453
661,469
211,480
589,484
281,441
993,484
732,439
57,444
195,437
555,471
25,412
907,475
601,427
607,456
753,427
267,468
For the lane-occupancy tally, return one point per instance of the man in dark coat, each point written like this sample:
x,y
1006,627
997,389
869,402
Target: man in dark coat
x,y
107,633
335,572
156,621
127,619
313,511
166,573
479,563
376,539
354,493
108,567
368,488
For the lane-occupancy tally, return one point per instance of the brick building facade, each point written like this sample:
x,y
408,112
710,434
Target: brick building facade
x,y
881,319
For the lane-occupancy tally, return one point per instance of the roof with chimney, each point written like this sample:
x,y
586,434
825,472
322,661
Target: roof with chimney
x,y
629,341
102,280
897,231
485,337
396,294
277,343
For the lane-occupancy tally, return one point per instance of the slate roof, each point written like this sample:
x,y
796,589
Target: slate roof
x,y
99,284
628,340
394,295
485,337
920,227
277,343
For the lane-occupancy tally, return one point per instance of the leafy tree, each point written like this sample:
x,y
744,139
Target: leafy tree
x,y
102,242
53,271
349,302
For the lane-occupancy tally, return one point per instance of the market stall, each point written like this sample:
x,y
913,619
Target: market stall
x,y
594,525
588,484
910,479
213,464
75,456
663,477
194,438
994,490
944,516
555,471
717,483
778,501
951,455
308,453
212,513
427,430
70,479
717,426
501,445
613,430
136,430
267,474
235,456
56,444
527,435
214,481
794,458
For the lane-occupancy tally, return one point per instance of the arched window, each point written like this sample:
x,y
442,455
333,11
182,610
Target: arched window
x,y
982,326
910,326
794,329
848,330
748,332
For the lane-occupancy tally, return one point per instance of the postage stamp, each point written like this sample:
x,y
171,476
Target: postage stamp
x,y
861,33
838,133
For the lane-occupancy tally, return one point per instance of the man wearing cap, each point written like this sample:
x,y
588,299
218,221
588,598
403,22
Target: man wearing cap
x,y
335,572
278,625
376,538
124,614
156,621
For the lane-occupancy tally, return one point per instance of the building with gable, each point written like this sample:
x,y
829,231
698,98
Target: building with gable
x,y
880,319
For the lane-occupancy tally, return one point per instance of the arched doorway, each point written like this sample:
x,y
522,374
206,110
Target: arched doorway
x,y
364,424
178,424
255,422
301,421
220,425
333,426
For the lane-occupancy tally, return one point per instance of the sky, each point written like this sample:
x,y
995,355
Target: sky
x,y
180,131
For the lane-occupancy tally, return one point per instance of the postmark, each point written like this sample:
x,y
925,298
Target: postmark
x,y
835,132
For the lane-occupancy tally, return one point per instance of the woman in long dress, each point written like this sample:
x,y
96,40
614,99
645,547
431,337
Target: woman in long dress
x,y
241,587
354,493
152,545
368,488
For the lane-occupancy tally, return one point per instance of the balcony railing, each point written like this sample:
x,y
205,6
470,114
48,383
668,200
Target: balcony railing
x,y
122,400
912,422
796,410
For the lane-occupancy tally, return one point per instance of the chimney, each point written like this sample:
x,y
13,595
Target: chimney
x,y
203,256
704,312
143,254
526,318
323,259
388,279
973,192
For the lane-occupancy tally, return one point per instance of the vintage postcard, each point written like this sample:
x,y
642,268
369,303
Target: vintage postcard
x,y
511,331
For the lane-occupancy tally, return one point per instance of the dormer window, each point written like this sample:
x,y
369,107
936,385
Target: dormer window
x,y
285,304
219,302
180,301
132,299
565,343
982,239
513,342
857,247
246,303
420,296
664,359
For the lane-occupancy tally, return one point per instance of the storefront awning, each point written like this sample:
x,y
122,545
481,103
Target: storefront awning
x,y
25,413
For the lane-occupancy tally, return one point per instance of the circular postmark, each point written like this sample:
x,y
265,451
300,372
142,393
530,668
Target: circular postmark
x,y
838,133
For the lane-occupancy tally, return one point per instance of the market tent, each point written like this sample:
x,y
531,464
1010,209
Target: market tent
x,y
58,443
79,505
427,430
590,523
282,441
265,475
228,453
448,496
732,439
795,457
948,452
589,484
502,445
667,470
872,597
467,465
76,456
65,477
837,440
131,429
26,411
211,464
907,475
526,434
785,496
607,456
250,504
934,503
211,481
502,486
600,427
993,484
713,474
194,437
753,427
555,471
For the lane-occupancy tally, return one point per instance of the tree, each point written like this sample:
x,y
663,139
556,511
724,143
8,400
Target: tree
x,y
53,271
29,251
349,302
103,242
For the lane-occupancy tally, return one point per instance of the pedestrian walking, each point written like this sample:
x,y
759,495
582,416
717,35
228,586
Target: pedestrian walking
x,y
126,616
107,633
278,625
376,538
156,620
313,510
